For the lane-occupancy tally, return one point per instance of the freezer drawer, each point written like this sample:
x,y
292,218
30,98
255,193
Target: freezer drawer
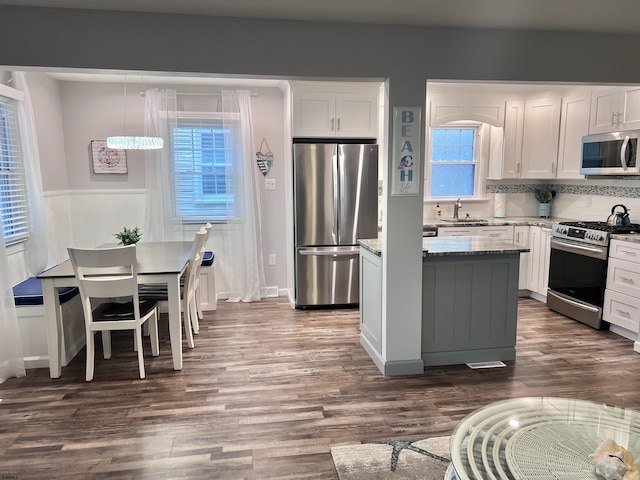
x,y
327,276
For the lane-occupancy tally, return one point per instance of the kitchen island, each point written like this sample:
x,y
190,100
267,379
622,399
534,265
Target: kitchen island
x,y
469,300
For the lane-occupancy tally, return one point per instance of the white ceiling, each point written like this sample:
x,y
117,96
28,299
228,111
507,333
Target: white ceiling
x,y
621,16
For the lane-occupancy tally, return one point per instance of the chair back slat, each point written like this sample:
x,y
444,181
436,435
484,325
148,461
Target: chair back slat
x,y
105,272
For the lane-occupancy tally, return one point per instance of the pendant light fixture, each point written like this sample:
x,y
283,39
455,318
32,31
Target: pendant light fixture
x,y
127,142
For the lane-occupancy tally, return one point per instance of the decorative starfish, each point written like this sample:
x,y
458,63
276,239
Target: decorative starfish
x,y
399,445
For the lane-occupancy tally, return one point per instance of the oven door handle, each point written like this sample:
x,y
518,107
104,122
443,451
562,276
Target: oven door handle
x,y
575,303
594,252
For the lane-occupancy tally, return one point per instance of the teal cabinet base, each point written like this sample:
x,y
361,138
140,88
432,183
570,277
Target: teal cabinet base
x,y
469,308
469,356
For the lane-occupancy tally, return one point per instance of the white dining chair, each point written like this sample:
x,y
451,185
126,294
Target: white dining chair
x,y
107,280
187,292
207,228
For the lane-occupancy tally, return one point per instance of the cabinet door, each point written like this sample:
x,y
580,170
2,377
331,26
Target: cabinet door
x,y
574,124
521,238
629,117
540,246
604,110
534,259
545,247
356,115
457,231
540,138
371,298
513,129
314,114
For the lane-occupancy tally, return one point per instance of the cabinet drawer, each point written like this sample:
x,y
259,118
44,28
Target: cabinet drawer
x,y
457,231
623,277
621,310
501,232
625,250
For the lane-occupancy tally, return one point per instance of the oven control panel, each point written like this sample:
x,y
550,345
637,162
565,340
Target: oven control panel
x,y
580,234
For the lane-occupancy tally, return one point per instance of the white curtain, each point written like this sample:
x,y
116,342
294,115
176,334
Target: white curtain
x,y
11,360
11,357
242,263
36,247
160,119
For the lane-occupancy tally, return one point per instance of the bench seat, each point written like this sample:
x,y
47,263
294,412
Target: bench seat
x,y
29,292
29,303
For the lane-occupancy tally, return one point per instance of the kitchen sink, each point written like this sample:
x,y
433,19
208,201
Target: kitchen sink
x,y
466,220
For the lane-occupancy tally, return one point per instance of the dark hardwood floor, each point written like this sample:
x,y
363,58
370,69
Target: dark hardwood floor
x,y
268,390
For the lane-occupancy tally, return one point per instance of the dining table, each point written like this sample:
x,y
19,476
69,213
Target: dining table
x,y
158,263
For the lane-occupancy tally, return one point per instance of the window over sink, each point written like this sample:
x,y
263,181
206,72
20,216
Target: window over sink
x,y
453,166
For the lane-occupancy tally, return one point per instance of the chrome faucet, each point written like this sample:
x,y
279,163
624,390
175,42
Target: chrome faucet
x,y
456,207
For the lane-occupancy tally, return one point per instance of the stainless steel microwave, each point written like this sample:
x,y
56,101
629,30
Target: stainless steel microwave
x,y
610,154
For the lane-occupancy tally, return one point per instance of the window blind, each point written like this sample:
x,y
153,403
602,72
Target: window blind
x,y
14,210
203,187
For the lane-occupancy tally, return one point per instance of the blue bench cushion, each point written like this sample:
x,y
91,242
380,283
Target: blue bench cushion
x,y
29,292
207,258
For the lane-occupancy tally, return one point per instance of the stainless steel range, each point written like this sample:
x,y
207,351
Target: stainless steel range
x,y
578,269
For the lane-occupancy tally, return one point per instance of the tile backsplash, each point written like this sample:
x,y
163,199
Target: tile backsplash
x,y
591,200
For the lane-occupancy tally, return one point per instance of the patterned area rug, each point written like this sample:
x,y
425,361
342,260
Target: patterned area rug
x,y
393,460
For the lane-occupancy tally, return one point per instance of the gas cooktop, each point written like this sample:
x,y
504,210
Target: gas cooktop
x,y
594,233
604,227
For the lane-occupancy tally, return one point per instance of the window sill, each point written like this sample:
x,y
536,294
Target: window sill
x,y
463,200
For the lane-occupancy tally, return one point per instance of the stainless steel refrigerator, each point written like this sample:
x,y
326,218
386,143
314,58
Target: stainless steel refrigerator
x,y
335,204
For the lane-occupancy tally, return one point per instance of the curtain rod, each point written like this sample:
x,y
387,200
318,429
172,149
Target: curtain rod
x,y
202,94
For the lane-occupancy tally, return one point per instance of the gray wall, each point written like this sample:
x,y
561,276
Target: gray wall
x,y
94,39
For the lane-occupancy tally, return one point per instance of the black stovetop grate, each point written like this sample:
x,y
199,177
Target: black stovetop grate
x,y
605,227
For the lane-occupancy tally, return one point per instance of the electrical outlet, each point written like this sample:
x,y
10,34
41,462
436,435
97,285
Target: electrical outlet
x,y
269,183
272,259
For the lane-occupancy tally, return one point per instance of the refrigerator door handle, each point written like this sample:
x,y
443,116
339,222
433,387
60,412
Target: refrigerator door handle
x,y
336,192
330,252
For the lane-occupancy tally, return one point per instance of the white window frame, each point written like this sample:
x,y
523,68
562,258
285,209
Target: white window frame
x,y
481,160
11,154
185,116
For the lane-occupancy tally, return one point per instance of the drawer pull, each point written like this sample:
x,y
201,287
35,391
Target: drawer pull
x,y
626,279
623,313
628,252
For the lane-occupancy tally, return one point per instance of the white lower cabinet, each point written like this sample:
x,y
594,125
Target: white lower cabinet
x,y
540,246
501,232
371,299
456,231
521,238
534,265
622,296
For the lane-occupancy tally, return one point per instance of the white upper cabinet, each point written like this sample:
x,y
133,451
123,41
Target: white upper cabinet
x,y
447,108
513,131
343,112
613,109
540,137
574,124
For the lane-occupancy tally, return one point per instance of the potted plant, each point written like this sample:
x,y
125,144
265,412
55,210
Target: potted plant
x,y
128,236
